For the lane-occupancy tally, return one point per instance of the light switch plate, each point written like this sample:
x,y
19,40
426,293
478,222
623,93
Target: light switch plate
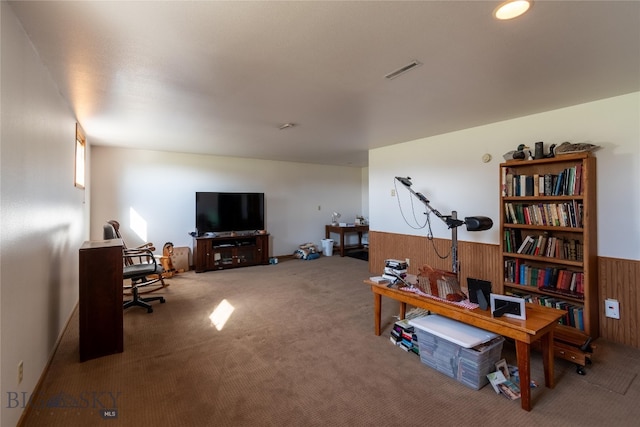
x,y
612,308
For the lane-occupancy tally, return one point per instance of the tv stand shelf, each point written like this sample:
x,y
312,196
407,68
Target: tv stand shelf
x,y
220,253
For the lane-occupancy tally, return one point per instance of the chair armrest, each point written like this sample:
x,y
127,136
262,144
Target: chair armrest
x,y
142,256
149,246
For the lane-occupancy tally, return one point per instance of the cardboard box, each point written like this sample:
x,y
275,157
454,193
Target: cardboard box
x,y
180,259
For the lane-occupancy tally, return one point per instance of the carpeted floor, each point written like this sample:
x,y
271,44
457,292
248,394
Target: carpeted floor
x,y
298,350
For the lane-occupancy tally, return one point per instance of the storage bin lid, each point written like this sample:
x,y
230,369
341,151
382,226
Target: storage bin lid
x,y
451,330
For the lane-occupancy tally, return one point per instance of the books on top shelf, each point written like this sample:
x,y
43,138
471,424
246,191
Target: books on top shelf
x,y
567,182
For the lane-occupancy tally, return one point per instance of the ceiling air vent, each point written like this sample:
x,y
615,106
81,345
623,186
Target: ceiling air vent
x,y
402,70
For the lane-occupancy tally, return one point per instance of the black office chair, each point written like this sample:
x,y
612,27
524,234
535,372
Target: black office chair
x,y
140,267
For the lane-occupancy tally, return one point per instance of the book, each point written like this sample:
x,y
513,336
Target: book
x,y
578,182
525,243
509,389
548,184
503,184
503,385
513,214
541,186
529,185
501,366
496,378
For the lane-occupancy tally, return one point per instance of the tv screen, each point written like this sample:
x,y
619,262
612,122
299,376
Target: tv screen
x,y
225,212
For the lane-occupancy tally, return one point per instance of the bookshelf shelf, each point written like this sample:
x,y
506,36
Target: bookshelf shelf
x,y
536,258
548,246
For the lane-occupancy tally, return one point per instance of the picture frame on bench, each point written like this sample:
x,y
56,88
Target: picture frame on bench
x,y
479,291
504,305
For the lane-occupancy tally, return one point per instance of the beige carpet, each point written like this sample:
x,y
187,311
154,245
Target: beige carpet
x,y
299,350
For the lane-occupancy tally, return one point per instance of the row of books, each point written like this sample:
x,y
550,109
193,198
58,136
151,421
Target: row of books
x,y
551,279
567,182
543,245
567,214
573,317
403,335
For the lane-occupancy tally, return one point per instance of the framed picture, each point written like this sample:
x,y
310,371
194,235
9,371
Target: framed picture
x,y
504,305
503,368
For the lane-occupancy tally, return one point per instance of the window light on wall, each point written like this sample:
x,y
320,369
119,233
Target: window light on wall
x,y
81,144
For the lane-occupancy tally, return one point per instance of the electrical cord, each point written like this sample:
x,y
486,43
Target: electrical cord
x,y
427,222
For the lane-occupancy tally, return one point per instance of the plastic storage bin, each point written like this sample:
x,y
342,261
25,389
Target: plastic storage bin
x,y
458,350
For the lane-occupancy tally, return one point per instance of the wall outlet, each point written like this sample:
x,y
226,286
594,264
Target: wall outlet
x,y
393,192
612,308
408,261
20,369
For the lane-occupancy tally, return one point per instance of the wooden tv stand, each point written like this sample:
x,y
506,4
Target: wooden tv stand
x,y
230,251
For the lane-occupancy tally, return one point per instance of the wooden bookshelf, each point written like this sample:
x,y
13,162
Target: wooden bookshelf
x,y
549,243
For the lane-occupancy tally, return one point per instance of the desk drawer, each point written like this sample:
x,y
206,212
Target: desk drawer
x,y
570,353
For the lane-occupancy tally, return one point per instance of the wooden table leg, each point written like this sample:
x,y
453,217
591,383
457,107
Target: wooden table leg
x,y
524,370
377,304
341,242
403,310
546,343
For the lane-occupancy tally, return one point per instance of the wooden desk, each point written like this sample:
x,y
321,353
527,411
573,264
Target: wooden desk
x,y
538,326
100,299
346,230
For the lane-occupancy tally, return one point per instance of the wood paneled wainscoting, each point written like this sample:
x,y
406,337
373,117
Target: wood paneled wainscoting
x,y
617,278
478,260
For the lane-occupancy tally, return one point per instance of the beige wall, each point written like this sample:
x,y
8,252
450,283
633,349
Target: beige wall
x,y
160,187
448,169
44,217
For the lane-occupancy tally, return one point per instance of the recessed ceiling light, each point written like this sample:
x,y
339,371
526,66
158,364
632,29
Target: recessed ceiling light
x,y
410,66
511,9
286,126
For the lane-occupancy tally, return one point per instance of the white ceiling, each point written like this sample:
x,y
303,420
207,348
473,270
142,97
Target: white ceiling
x,y
219,77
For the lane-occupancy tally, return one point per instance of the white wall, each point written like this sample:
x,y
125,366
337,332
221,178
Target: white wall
x,y
365,192
44,217
448,170
161,188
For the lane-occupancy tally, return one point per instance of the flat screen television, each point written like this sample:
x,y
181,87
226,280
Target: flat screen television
x,y
218,212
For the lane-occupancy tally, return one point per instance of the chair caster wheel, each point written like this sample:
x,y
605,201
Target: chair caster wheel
x,y
580,370
162,301
149,310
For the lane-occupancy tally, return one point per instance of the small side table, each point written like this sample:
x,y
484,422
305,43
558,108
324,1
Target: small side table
x,y
360,229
